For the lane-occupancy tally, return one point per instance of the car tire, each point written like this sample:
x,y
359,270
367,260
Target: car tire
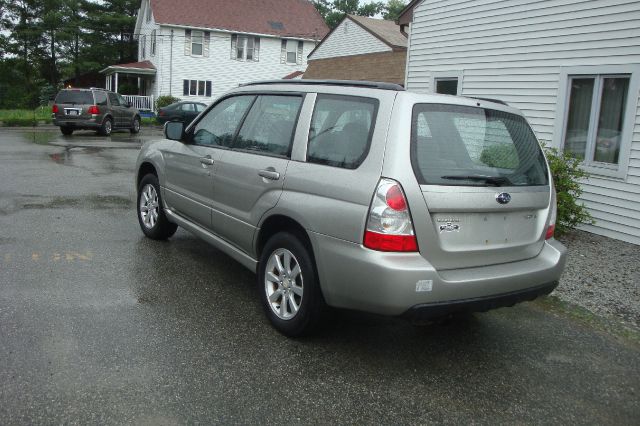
x,y
151,216
107,127
296,284
67,131
135,126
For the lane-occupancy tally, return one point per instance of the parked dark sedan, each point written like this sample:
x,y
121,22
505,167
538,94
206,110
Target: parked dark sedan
x,y
184,111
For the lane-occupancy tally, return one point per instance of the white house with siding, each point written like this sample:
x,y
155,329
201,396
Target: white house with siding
x,y
199,49
360,48
571,66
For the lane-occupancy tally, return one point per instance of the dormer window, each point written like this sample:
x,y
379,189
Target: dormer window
x,y
148,14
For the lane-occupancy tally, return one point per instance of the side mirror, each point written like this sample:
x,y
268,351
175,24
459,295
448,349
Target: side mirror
x,y
174,130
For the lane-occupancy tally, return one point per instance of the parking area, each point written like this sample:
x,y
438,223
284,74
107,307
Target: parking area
x,y
101,325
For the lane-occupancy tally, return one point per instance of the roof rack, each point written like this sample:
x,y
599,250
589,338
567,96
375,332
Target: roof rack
x,y
495,101
346,83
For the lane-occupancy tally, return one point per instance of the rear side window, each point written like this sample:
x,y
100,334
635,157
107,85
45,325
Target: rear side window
x,y
101,98
219,125
341,130
269,125
113,98
460,145
76,97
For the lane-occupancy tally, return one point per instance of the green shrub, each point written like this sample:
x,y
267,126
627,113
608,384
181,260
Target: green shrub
x,y
163,101
567,173
502,156
19,122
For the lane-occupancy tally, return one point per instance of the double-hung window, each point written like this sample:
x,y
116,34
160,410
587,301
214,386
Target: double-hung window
x,y
245,48
153,42
143,46
197,38
598,119
292,51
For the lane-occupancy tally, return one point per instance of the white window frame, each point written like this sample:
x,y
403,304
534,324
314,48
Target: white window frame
x,y
294,43
148,11
198,84
447,75
193,37
153,43
242,41
616,171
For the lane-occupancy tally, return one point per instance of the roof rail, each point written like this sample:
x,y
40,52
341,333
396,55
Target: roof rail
x,y
345,83
495,101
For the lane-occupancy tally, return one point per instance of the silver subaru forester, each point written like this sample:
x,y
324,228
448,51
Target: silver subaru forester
x,y
362,196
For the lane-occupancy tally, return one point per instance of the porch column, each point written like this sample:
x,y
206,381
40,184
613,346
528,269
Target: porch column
x,y
139,88
106,81
116,83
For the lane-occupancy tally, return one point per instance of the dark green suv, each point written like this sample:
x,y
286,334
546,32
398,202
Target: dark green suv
x,y
93,109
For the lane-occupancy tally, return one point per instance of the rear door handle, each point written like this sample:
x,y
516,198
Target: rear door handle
x,y
269,174
207,160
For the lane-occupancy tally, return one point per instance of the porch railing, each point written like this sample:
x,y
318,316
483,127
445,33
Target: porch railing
x,y
143,103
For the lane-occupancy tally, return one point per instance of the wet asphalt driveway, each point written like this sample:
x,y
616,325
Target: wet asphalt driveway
x,y
100,325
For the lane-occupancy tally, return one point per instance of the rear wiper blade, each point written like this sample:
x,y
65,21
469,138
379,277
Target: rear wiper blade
x,y
491,180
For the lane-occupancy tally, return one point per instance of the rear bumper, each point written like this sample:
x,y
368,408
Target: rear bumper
x,y
427,311
78,124
354,277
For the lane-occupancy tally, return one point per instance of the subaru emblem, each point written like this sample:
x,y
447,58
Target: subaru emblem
x,y
503,197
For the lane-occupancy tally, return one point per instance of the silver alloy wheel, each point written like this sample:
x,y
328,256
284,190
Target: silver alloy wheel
x,y
136,125
149,206
107,127
283,284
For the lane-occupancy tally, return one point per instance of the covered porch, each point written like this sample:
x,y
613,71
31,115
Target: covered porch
x,y
133,81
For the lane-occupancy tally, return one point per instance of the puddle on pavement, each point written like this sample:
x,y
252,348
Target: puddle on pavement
x,y
66,156
96,202
40,138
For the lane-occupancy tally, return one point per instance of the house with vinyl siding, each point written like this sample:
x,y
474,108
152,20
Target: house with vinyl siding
x,y
571,66
360,48
199,49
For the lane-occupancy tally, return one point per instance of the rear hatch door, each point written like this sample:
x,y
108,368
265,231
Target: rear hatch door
x,y
484,183
74,104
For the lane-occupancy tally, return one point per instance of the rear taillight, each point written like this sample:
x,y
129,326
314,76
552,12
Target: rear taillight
x,y
54,109
553,214
161,113
93,109
389,226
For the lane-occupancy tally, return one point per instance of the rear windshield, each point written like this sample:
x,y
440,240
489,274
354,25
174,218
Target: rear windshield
x,y
78,97
460,145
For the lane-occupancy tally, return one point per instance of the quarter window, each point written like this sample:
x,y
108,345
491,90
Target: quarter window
x,y
196,43
270,124
341,130
113,98
595,118
219,125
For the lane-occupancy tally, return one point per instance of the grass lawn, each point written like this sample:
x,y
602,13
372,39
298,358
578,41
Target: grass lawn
x,y
24,117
